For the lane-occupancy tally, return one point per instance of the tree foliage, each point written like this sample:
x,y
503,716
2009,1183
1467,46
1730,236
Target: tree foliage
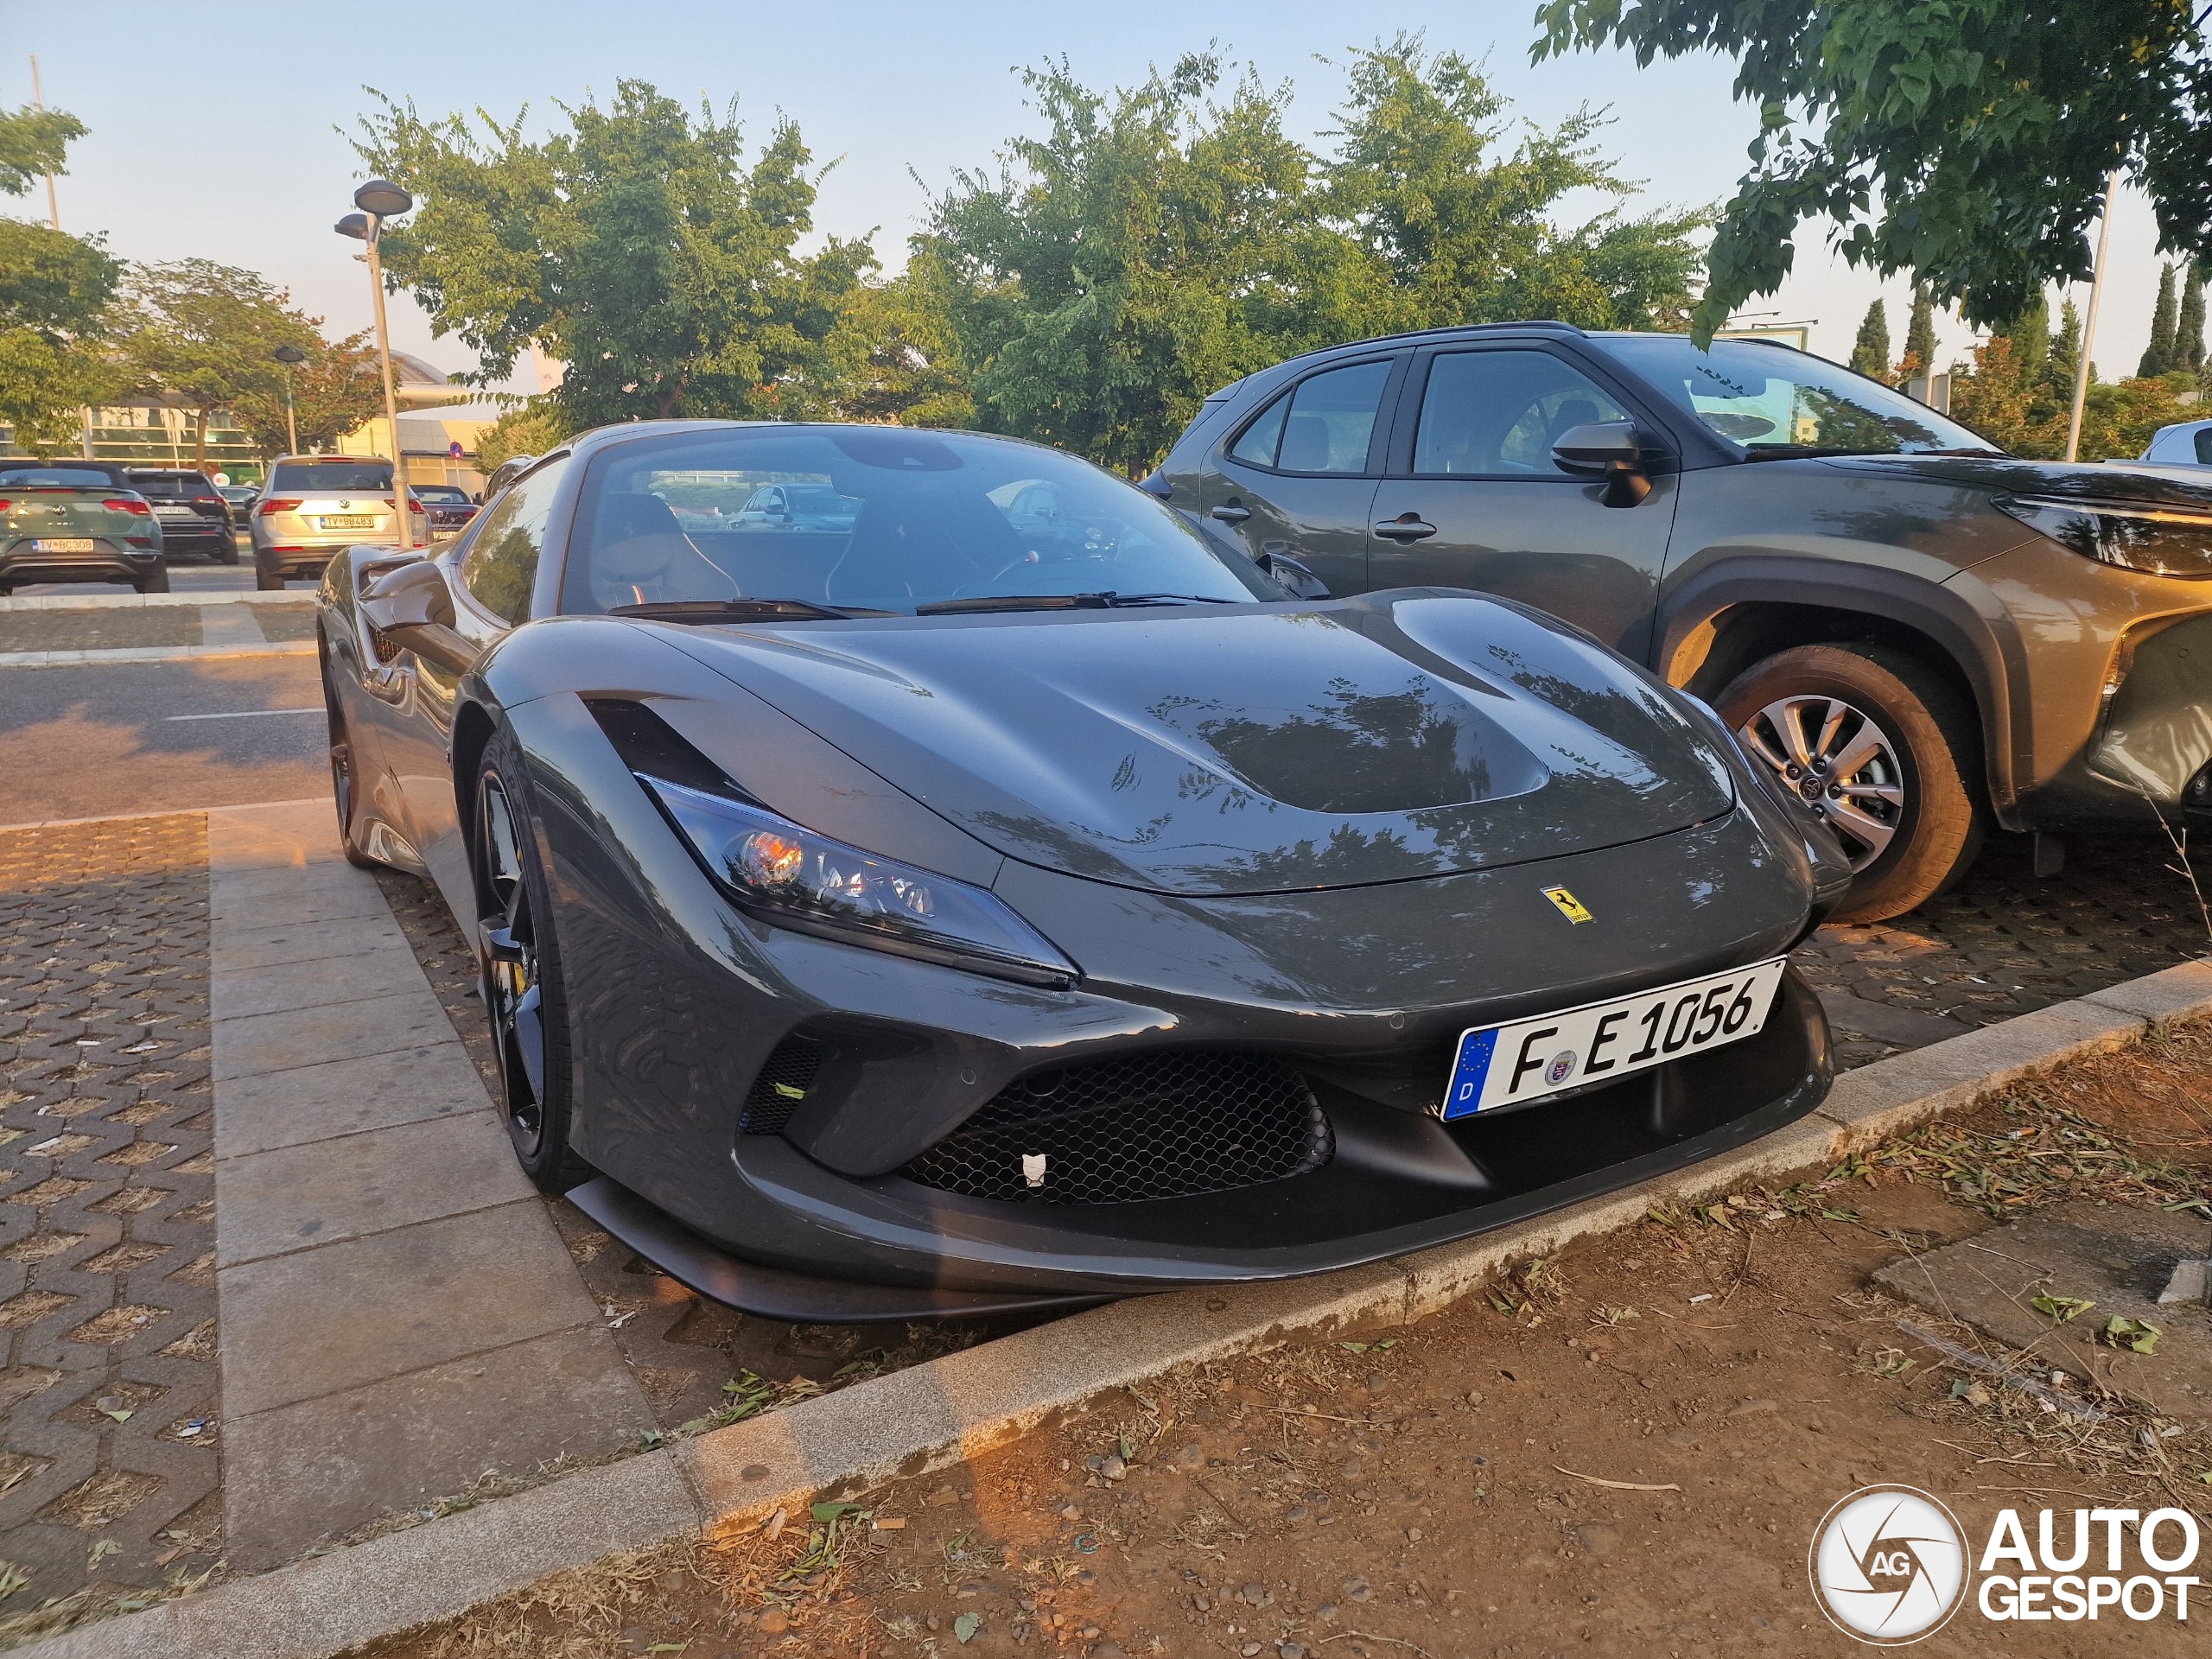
x,y
635,245
1870,353
2158,355
1965,141
205,336
1153,242
339,387
1919,339
55,293
2189,327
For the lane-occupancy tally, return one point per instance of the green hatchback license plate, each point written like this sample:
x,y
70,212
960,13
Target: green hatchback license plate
x,y
63,544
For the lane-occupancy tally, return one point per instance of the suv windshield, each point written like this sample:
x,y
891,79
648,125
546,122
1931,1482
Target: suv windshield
x,y
1774,400
321,477
878,519
173,484
445,494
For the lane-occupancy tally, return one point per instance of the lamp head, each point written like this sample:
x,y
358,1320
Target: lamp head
x,y
354,224
289,354
383,198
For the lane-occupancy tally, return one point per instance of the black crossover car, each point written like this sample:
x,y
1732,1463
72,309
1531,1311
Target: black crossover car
x,y
194,515
1919,635
988,894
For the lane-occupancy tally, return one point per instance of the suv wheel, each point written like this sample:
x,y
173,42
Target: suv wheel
x,y
157,583
264,582
1879,747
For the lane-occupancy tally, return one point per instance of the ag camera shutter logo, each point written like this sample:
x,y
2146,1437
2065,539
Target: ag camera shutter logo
x,y
1889,1565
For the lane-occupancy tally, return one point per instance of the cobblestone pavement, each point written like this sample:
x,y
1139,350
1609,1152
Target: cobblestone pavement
x,y
682,1348
108,1443
2005,942
92,629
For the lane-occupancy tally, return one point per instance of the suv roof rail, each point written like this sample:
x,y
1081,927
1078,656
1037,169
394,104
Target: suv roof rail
x,y
1545,325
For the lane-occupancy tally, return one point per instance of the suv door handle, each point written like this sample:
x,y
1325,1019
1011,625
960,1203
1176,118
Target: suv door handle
x,y
1230,513
1406,527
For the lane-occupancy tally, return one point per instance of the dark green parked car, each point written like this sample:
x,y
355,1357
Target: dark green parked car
x,y
1920,634
77,521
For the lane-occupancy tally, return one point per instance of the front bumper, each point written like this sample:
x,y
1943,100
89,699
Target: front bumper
x,y
677,1003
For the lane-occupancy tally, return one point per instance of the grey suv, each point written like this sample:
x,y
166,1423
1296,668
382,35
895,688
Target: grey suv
x,y
313,507
1920,634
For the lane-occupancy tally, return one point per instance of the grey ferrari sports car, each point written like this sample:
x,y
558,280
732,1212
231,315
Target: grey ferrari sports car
x,y
981,892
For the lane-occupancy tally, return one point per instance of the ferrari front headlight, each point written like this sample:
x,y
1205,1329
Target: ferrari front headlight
x,y
788,875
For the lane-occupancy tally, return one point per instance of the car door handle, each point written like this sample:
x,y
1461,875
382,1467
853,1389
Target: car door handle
x,y
1230,513
1406,527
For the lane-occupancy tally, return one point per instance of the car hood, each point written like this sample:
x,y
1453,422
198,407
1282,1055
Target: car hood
x,y
1248,749
2115,481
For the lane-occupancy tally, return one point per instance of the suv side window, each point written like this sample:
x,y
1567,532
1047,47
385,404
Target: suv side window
x,y
1496,414
1324,426
501,564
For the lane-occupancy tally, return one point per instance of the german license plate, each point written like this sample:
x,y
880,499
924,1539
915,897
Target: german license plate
x,y
348,521
63,544
1510,1066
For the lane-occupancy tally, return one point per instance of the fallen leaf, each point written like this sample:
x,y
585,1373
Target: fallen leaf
x,y
965,1626
2060,1308
2138,1336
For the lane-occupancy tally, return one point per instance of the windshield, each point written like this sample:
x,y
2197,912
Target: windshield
x,y
1773,399
440,493
55,478
188,484
873,518
325,476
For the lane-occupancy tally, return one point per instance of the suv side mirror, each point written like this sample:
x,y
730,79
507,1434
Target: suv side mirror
x,y
1607,450
411,605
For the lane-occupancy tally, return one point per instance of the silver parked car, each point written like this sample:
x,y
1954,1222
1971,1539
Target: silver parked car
x,y
314,505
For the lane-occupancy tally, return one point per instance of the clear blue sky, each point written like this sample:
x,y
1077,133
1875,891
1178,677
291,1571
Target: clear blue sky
x,y
254,172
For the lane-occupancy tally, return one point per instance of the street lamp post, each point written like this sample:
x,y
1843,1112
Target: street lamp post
x,y
378,200
290,356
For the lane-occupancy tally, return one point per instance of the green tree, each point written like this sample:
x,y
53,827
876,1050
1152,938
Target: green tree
x,y
1919,338
2060,368
529,428
56,296
2158,355
205,335
34,143
339,387
2189,327
1153,242
2029,334
1967,141
635,246
1870,353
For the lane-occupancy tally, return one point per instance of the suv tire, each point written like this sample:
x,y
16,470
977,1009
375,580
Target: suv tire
x,y
264,582
157,583
1910,742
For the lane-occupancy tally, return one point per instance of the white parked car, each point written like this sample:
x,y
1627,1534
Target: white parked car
x,y
2187,444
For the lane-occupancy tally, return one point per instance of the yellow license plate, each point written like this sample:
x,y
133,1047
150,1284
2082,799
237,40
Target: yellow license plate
x,y
348,521
63,544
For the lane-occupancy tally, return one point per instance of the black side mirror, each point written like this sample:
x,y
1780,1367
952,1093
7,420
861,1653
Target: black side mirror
x,y
1609,450
1294,576
410,605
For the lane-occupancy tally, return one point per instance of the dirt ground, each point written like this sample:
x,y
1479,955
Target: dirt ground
x,y
1625,1450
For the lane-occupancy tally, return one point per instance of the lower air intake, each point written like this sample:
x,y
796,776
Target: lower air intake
x,y
785,1077
1159,1126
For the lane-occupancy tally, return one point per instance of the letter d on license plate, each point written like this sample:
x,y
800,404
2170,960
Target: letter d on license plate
x,y
1510,1066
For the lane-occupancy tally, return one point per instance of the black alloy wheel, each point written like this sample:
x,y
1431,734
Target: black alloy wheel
x,y
518,968
341,777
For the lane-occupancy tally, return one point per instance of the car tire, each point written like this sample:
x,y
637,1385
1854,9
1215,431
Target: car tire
x,y
228,556
342,776
519,971
1908,813
266,583
157,583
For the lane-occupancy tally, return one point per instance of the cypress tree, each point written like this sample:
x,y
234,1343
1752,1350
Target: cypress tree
x,y
2065,359
2030,337
1919,337
2158,356
1870,354
2189,333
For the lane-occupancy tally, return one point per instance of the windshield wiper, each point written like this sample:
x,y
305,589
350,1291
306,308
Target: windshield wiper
x,y
733,610
1099,601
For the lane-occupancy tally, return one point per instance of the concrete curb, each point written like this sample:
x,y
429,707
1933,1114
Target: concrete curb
x,y
151,654
134,601
952,1408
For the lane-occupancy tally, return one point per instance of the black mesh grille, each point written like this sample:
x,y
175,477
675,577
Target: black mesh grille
x,y
785,1079
1160,1126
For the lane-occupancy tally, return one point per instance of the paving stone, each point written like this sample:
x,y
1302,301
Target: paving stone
x,y
277,1042
317,982
299,1473
320,1193
313,1102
